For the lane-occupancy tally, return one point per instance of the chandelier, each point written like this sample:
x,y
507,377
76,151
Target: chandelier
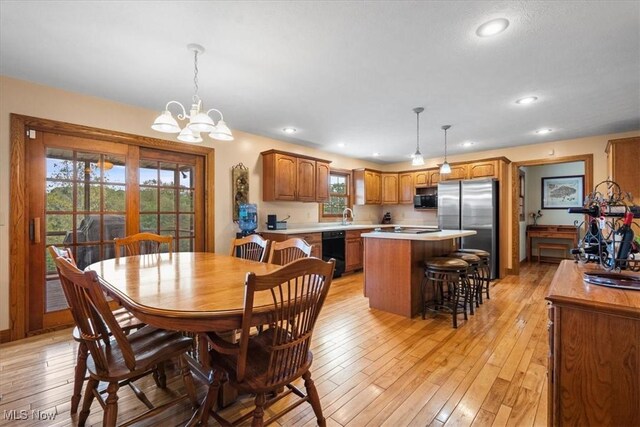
x,y
199,120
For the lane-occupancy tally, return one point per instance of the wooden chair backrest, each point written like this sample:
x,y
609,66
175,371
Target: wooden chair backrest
x,y
290,250
298,291
142,244
66,253
92,314
251,247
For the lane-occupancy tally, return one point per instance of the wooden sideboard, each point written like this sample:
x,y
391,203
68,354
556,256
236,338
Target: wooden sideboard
x,y
567,232
594,352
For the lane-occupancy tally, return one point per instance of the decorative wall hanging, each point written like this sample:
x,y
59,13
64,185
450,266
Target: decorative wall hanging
x,y
561,192
240,188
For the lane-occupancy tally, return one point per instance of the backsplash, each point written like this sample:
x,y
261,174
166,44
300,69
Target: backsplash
x,y
406,214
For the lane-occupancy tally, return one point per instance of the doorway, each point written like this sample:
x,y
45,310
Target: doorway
x,y
518,210
83,187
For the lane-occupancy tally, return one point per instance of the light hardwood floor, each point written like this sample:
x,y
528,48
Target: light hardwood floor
x,y
371,368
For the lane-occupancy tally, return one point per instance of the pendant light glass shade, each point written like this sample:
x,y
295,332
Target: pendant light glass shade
x,y
221,132
418,159
445,168
165,123
201,122
187,135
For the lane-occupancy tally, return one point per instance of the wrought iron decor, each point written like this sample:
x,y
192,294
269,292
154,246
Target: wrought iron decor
x,y
240,188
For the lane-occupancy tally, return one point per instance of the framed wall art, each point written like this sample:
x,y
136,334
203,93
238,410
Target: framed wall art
x,y
561,192
240,190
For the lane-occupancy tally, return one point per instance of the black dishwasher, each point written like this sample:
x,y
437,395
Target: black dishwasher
x,y
333,247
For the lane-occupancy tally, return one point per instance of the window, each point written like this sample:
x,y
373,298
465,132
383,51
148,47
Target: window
x,y
339,185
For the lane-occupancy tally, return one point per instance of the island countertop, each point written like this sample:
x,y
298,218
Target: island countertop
x,y
432,236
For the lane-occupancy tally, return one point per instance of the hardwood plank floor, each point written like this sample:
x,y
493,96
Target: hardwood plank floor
x,y
371,368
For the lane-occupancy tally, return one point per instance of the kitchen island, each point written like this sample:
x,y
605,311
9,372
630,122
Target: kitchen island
x,y
394,266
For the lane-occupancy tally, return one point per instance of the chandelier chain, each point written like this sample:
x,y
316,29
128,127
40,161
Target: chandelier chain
x,y
195,76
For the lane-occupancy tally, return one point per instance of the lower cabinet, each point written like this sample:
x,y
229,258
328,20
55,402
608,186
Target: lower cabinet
x,y
353,249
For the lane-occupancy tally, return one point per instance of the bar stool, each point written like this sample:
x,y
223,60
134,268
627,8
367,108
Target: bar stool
x,y
473,274
452,272
484,270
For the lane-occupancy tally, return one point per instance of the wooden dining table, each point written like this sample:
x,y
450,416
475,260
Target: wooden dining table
x,y
195,292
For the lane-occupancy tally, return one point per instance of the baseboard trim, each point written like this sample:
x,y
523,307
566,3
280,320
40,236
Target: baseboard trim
x,y
5,335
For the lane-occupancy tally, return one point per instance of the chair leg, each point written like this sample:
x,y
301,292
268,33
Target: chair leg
x,y
314,398
111,408
214,387
159,376
258,413
188,381
88,399
80,373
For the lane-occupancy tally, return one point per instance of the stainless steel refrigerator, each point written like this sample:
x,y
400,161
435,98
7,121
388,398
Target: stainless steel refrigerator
x,y
472,205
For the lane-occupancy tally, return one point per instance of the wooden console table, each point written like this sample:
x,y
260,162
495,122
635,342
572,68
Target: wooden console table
x,y
567,232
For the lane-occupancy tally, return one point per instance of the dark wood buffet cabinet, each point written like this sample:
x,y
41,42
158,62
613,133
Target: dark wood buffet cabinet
x,y
594,352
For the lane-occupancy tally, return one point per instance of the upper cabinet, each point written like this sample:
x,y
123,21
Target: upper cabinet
x,y
406,189
291,177
389,188
622,164
421,178
368,186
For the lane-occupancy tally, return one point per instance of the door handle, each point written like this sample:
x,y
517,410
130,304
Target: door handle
x,y
34,230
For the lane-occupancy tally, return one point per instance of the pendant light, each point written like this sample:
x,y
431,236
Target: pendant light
x,y
418,160
199,119
445,168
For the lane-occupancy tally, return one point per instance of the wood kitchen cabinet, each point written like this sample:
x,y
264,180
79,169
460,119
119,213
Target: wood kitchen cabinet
x,y
313,239
292,177
354,249
421,178
622,164
488,169
406,190
390,188
368,186
594,351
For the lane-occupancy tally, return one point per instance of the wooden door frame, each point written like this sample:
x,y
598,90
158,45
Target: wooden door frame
x,y
515,186
18,200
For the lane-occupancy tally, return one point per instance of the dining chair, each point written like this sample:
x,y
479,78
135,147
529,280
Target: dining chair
x,y
283,253
114,357
252,247
265,363
142,244
126,321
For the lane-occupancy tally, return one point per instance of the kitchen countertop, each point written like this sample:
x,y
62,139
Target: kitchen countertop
x,y
435,236
334,227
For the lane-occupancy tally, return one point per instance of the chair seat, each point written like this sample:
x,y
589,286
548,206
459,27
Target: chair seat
x,y
149,344
467,257
477,252
446,263
257,363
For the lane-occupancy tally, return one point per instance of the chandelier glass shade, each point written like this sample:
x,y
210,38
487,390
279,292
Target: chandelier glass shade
x,y
445,168
418,159
199,120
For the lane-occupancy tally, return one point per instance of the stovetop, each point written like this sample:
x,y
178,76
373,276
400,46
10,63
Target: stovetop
x,y
408,230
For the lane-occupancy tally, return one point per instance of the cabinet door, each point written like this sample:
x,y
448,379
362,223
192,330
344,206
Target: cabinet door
x,y
353,254
390,189
372,187
405,188
434,177
285,177
624,170
483,170
457,172
322,181
421,178
306,180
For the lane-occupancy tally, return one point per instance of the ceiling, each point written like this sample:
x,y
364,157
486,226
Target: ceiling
x,y
347,72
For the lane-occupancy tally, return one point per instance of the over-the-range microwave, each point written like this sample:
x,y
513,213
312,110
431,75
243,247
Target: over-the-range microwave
x,y
422,201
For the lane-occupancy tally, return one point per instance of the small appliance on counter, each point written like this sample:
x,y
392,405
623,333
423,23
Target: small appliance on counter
x,y
274,224
386,219
248,218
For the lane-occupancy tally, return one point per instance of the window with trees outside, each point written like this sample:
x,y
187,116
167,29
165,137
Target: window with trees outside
x,y
338,195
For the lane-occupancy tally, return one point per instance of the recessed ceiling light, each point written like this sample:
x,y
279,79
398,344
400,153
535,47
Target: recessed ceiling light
x,y
493,27
543,131
376,154
527,100
467,144
289,130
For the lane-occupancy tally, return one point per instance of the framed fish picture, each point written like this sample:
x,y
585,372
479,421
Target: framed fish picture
x,y
562,192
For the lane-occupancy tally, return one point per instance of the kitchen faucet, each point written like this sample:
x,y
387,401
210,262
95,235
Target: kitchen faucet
x,y
344,216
